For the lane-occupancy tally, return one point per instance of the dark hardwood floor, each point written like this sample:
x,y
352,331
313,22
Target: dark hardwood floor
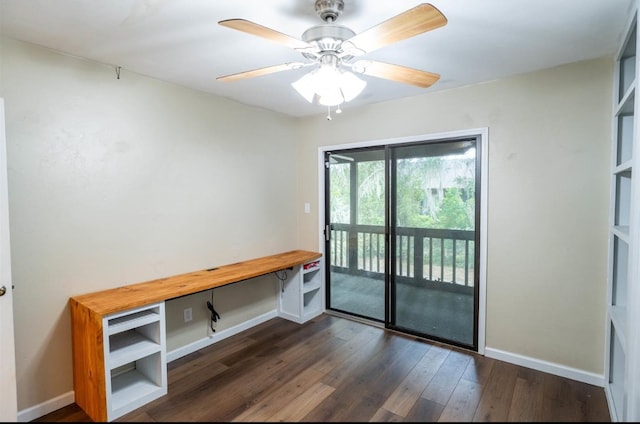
x,y
335,369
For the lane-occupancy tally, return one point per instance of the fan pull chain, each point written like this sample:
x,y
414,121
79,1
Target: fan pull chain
x,y
328,113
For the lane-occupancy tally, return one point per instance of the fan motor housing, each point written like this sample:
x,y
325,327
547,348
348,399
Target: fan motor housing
x,y
327,37
329,10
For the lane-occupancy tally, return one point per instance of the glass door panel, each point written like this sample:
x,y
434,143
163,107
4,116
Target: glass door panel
x,y
356,207
433,217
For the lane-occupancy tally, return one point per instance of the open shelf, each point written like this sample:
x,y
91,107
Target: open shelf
x,y
136,319
131,386
617,378
311,279
129,347
622,198
620,275
627,61
311,286
137,386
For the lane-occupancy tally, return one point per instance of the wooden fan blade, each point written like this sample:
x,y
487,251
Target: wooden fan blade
x,y
256,72
397,73
264,32
417,20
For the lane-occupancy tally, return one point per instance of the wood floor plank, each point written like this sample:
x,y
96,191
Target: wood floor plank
x,y
215,352
347,347
375,380
294,348
562,402
497,394
390,377
261,383
594,404
325,411
297,375
354,329
192,366
528,397
446,378
463,402
346,369
220,397
137,416
179,385
569,400
349,392
308,330
386,416
405,395
424,411
277,400
478,369
299,408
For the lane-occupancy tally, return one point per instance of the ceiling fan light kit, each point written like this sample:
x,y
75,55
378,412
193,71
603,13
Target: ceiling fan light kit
x,y
328,84
332,49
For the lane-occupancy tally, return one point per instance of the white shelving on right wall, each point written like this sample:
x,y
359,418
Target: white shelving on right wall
x,y
622,349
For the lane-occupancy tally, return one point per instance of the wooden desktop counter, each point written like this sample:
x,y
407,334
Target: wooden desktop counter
x,y
141,305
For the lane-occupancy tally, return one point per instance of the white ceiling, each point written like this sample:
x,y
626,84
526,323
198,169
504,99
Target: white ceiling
x,y
181,42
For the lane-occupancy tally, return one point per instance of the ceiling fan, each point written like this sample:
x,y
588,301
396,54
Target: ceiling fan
x,y
334,50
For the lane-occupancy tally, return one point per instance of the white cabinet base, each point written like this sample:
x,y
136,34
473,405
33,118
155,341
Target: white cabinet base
x,y
135,358
301,292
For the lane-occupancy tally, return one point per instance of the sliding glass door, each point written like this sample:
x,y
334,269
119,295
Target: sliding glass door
x,y
356,245
401,237
433,214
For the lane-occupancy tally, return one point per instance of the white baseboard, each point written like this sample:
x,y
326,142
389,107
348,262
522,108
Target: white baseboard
x,y
217,336
47,407
548,367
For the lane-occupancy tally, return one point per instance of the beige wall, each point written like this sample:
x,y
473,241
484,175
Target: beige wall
x,y
113,182
549,150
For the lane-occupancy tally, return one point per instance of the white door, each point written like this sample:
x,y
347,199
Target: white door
x,y
8,397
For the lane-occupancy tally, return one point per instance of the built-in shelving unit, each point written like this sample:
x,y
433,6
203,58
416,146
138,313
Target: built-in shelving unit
x,y
301,290
621,349
135,358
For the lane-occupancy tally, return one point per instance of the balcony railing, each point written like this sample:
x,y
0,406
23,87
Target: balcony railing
x,y
437,256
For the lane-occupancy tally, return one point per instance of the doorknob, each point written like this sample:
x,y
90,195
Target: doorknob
x,y
3,290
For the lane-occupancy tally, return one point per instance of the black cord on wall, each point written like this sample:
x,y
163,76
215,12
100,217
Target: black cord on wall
x,y
282,279
215,316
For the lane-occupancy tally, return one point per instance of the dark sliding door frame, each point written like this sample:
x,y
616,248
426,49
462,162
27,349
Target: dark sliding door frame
x,y
391,220
480,136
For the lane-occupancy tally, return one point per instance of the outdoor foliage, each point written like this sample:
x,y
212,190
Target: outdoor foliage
x,y
432,192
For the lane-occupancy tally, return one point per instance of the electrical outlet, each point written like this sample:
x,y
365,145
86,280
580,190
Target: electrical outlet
x,y
188,315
